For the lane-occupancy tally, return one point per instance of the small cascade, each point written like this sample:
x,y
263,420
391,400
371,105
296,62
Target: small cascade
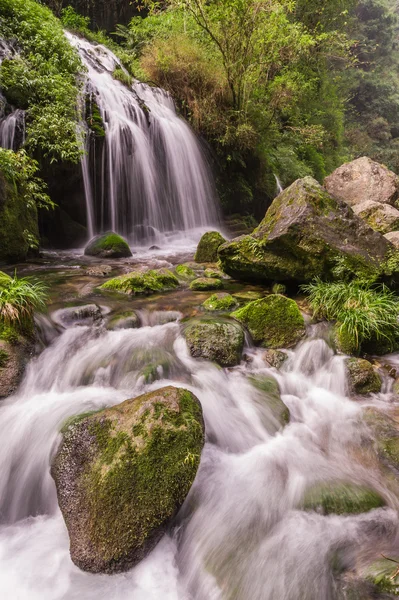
x,y
279,187
12,122
149,176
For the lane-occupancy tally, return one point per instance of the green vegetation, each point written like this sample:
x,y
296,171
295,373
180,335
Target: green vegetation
x,y
203,284
364,312
220,302
148,282
185,272
19,299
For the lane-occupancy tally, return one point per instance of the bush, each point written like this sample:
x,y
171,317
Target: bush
x,y
20,170
19,299
364,312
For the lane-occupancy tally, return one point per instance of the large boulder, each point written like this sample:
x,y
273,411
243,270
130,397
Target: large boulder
x,y
393,238
108,245
381,217
361,180
305,234
122,474
219,340
207,249
273,322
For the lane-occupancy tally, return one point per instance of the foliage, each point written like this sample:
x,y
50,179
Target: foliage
x,y
363,311
42,78
20,297
21,171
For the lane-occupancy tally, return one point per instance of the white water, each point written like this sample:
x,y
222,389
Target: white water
x,y
240,534
12,124
153,176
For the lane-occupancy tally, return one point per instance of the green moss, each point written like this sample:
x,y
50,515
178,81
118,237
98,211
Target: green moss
x,y
147,282
220,302
207,249
94,119
122,76
274,321
109,244
271,392
362,377
214,273
4,358
9,334
203,284
221,341
185,272
341,498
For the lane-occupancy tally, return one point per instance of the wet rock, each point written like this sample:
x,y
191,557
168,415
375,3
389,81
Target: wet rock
x,y
248,296
108,245
361,180
185,272
362,378
146,282
89,314
393,238
202,284
385,432
270,390
381,217
275,358
218,340
154,248
12,366
122,474
273,322
99,270
207,249
341,498
214,273
124,320
221,301
303,235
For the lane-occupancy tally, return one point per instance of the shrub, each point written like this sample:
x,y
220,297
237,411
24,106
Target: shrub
x,y
364,312
19,299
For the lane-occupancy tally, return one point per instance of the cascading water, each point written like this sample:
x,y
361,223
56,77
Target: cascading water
x,y
12,122
151,177
241,535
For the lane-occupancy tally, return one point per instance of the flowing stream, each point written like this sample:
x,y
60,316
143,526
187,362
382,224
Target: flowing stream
x,y
151,177
241,533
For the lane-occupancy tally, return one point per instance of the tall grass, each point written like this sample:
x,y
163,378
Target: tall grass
x,y
363,311
20,297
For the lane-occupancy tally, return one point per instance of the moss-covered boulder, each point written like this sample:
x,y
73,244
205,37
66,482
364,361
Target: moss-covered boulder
x,y
19,230
270,391
381,217
362,378
203,284
275,358
122,474
304,234
108,245
273,322
147,282
341,498
214,273
127,319
218,340
207,249
185,272
221,301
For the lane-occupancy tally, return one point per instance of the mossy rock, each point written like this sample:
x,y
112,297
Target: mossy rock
x,y
127,319
108,245
275,358
384,575
341,498
207,249
214,273
218,340
362,378
246,296
273,322
385,431
148,282
271,394
221,301
122,474
203,284
302,236
185,272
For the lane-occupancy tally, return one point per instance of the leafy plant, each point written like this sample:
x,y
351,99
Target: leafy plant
x,y
363,311
20,297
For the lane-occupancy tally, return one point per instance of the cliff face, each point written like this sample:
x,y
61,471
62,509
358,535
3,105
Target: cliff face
x,y
103,14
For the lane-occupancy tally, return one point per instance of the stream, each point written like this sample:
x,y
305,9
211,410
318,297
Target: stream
x,y
241,534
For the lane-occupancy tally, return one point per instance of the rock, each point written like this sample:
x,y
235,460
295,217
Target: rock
x,y
203,284
381,217
207,249
362,378
220,301
341,498
361,180
12,365
154,248
218,340
248,296
185,272
273,322
98,270
275,358
124,320
385,433
271,393
304,234
215,273
393,238
108,245
122,474
147,282
89,314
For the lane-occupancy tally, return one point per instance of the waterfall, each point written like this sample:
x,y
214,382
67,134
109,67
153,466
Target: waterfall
x,y
279,187
12,124
150,177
